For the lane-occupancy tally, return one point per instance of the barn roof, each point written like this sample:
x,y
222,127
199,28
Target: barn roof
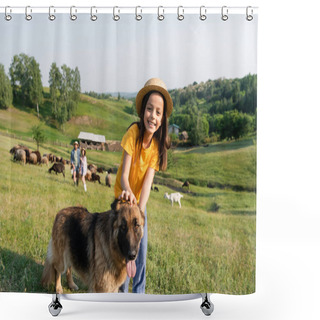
x,y
91,137
174,125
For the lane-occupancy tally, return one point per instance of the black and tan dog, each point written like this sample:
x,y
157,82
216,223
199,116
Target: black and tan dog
x,y
100,247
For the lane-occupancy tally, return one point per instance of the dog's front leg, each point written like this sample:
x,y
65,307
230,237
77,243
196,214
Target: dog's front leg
x,y
58,282
71,283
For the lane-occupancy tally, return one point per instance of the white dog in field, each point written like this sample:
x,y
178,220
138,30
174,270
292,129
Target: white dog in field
x,y
174,197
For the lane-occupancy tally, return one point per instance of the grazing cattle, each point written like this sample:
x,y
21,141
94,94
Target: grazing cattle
x,y
92,168
186,184
57,168
44,160
100,169
37,153
108,179
20,155
156,189
88,175
52,158
33,158
14,149
174,197
20,147
95,177
210,185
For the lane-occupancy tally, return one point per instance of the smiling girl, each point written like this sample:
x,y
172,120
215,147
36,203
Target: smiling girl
x,y
145,146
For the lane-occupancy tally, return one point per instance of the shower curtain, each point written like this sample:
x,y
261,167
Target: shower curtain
x,y
71,80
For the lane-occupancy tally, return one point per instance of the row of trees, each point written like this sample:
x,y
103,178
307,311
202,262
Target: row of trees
x,y
220,95
25,86
219,109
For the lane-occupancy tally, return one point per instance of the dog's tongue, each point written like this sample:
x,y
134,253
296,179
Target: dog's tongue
x,y
131,268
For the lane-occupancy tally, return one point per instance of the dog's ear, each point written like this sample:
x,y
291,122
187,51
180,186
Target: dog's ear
x,y
115,206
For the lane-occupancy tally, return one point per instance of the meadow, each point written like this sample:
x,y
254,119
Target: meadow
x,y
207,245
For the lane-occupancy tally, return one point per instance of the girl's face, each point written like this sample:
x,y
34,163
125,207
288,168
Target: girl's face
x,y
153,113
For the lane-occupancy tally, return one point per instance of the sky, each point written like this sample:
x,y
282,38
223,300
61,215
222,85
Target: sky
x,y
123,55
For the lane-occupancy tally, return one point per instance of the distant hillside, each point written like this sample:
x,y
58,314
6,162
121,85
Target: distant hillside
x,y
106,117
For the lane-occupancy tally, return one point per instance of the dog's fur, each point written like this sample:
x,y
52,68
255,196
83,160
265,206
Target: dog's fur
x,y
96,245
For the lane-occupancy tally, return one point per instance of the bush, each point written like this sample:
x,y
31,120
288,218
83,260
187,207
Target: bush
x,y
214,207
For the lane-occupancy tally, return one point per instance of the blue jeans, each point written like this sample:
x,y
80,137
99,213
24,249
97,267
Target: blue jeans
x,y
139,280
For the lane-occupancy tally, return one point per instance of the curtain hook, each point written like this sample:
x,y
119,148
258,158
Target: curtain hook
x,y
160,16
7,16
116,17
138,16
28,16
93,17
203,12
249,17
52,16
180,15
73,17
224,13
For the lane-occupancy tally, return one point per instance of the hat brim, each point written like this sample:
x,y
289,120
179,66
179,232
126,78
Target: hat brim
x,y
160,89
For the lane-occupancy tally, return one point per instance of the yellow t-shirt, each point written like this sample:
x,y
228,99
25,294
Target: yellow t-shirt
x,y
139,165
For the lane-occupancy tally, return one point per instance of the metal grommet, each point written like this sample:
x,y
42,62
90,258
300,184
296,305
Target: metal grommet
x,y
180,15
73,17
6,15
249,17
160,16
93,17
138,16
224,13
116,17
203,12
28,16
52,16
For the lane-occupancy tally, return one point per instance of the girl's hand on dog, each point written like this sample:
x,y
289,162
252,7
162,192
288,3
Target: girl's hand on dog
x,y
128,196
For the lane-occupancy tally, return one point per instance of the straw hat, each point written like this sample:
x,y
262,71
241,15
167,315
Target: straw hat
x,y
76,142
158,85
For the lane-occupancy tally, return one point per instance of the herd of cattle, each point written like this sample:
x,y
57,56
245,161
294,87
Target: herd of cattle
x,y
25,155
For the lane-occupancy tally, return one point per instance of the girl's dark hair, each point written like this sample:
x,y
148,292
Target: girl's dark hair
x,y
161,135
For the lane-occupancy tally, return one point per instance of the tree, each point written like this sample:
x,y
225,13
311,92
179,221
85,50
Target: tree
x,y
26,80
5,89
65,91
38,135
199,130
55,84
35,90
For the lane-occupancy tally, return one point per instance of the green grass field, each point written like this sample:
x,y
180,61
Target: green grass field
x,y
192,249
206,246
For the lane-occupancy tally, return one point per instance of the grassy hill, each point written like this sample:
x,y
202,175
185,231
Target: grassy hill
x,y
105,117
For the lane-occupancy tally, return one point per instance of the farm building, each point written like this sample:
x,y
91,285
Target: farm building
x,y
173,128
91,141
